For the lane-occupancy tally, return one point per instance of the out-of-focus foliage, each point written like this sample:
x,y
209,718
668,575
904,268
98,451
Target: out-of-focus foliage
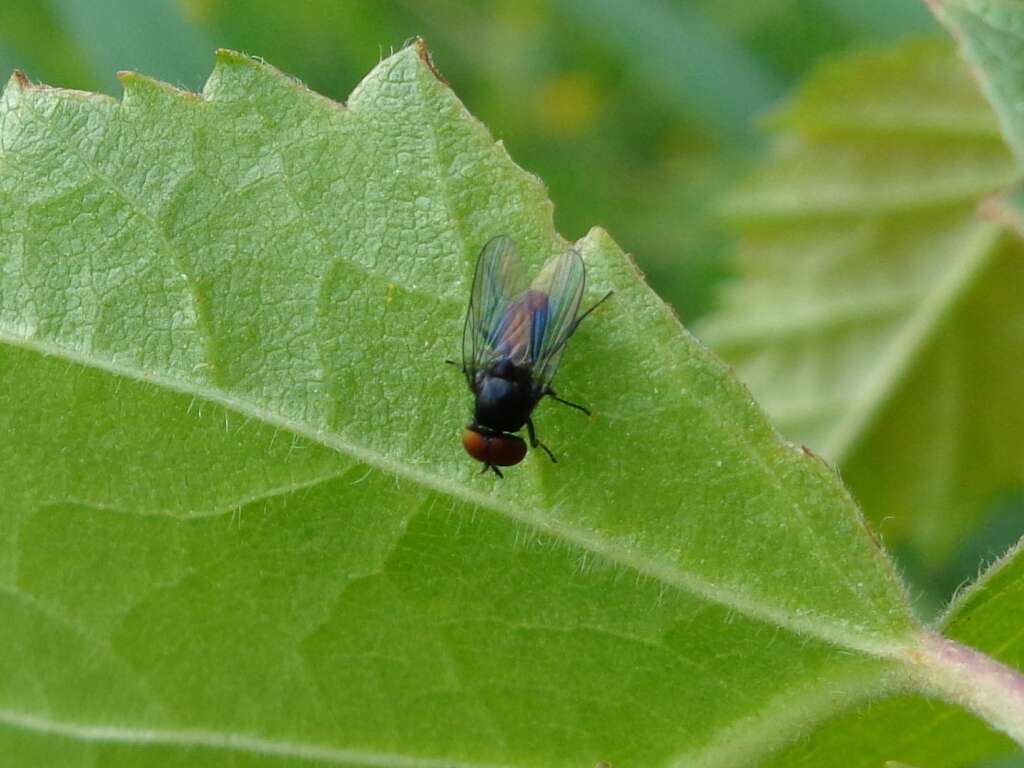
x,y
989,35
875,314
636,115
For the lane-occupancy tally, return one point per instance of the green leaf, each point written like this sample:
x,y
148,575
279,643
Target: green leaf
x,y
237,523
876,316
922,732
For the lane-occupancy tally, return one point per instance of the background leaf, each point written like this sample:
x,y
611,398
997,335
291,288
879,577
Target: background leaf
x,y
991,39
875,313
560,87
33,37
150,35
238,517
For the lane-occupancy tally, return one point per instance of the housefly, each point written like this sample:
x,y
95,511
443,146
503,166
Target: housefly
x,y
514,336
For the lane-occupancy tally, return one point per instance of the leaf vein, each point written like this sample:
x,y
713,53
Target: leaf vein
x,y
813,626
228,741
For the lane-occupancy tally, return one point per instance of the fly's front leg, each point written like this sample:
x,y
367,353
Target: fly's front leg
x,y
461,367
535,443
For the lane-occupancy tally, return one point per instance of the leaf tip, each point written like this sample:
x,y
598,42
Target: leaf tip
x,y
135,83
600,241
17,84
229,56
812,455
419,45
237,75
19,80
227,60
597,237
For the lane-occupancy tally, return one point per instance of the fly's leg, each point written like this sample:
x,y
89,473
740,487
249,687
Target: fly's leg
x,y
599,302
494,469
535,443
551,393
469,379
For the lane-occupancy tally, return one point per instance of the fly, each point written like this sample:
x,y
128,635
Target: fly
x,y
512,341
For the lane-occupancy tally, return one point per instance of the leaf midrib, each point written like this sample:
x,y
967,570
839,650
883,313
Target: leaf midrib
x,y
227,741
819,628
735,742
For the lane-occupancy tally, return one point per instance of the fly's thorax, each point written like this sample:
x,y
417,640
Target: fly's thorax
x,y
502,404
503,368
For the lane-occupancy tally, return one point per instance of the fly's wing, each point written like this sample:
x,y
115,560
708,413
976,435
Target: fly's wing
x,y
498,281
561,283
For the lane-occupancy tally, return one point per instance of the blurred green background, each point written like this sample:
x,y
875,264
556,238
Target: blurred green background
x,y
636,115
639,116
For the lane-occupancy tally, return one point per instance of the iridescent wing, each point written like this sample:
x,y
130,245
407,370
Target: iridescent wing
x,y
527,325
560,283
497,282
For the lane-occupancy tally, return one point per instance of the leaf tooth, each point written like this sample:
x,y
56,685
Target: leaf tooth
x,y
422,50
18,81
229,55
19,85
238,76
11,95
248,66
149,89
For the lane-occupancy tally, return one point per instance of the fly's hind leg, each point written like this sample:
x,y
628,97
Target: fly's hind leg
x,y
535,443
494,469
551,393
596,304
548,391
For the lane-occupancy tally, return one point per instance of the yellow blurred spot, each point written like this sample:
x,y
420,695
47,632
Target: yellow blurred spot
x,y
568,104
199,11
519,15
389,297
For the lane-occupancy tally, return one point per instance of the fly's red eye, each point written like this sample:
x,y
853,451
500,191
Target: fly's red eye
x,y
499,450
507,450
475,444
